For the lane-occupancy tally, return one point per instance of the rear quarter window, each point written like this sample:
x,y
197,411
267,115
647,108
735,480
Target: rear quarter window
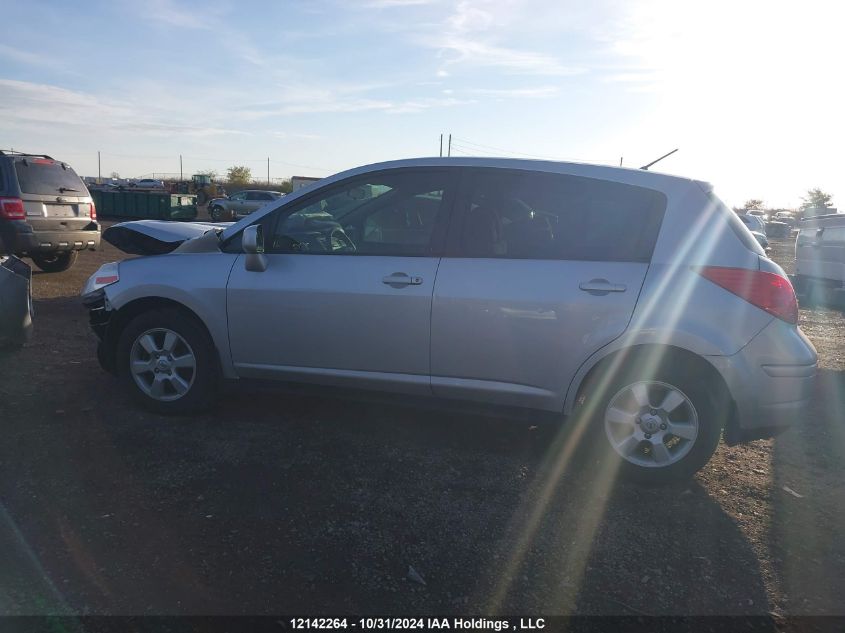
x,y
48,177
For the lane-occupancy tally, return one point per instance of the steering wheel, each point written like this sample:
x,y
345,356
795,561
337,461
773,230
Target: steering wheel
x,y
339,237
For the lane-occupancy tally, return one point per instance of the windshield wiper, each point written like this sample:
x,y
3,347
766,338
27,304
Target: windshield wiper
x,y
63,189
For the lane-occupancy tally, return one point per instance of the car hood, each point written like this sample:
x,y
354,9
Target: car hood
x,y
156,237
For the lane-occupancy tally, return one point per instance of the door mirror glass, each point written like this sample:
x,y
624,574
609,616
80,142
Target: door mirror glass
x,y
253,239
253,245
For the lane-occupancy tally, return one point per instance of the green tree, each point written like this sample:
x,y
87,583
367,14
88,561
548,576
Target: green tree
x,y
286,186
753,205
816,201
239,175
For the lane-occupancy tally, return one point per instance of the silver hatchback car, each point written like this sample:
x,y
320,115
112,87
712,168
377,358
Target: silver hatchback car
x,y
632,301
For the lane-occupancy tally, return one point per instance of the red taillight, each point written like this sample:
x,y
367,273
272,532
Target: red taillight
x,y
12,209
767,291
93,212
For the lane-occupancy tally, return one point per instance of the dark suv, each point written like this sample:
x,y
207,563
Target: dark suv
x,y
46,212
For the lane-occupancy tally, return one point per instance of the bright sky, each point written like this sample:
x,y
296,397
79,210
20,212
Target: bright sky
x,y
751,91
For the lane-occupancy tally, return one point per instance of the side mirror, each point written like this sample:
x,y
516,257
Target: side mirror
x,y
252,241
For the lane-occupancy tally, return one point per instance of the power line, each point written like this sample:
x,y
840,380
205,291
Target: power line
x,y
481,146
473,146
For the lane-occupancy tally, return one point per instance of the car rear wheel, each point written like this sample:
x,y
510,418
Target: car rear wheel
x,y
167,362
661,428
55,262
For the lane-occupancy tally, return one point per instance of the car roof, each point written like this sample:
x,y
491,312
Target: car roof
x,y
627,175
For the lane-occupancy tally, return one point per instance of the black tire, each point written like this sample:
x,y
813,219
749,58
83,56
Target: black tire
x,y
711,411
203,386
216,213
57,262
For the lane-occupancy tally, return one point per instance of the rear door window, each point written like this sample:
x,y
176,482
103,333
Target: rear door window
x,y
48,177
527,215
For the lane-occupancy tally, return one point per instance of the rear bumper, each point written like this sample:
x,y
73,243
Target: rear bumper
x,y
771,381
19,238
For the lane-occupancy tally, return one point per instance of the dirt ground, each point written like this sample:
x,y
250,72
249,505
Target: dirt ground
x,y
275,503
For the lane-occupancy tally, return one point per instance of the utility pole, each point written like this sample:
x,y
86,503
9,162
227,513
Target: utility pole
x,y
620,160
99,170
180,168
268,170
441,145
450,144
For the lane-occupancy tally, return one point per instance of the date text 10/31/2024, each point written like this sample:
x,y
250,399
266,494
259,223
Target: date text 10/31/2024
x,y
459,624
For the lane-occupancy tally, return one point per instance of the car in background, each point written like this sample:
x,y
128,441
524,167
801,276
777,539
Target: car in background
x,y
46,212
753,222
757,228
146,183
776,228
635,303
788,218
820,260
15,302
240,204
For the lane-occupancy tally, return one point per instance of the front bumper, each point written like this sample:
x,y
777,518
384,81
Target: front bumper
x,y
771,380
99,317
19,238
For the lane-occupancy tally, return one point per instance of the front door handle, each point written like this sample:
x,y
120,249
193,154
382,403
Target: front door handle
x,y
601,287
400,280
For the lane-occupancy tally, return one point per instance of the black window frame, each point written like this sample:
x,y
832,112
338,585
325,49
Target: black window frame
x,y
469,180
436,245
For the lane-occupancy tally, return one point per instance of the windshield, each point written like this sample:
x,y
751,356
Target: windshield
x,y
48,177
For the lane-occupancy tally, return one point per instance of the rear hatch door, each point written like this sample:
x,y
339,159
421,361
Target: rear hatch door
x,y
54,197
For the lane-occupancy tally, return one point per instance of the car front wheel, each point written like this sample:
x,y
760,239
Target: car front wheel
x,y
167,362
660,429
217,214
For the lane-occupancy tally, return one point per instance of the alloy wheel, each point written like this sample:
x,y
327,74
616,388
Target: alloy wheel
x,y
651,424
162,364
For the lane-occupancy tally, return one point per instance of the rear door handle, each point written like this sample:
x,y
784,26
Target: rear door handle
x,y
601,287
400,280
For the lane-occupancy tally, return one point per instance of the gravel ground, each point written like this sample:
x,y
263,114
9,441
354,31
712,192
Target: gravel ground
x,y
278,503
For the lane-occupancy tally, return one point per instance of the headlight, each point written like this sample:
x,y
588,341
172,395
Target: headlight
x,y
106,275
